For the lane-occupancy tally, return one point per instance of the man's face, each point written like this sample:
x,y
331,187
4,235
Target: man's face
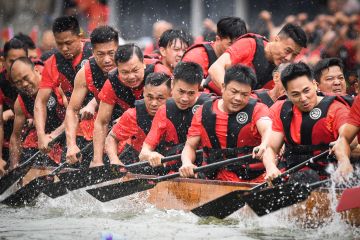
x,y
25,79
155,97
224,43
302,93
332,80
131,73
104,54
236,96
184,94
68,43
173,53
33,54
13,54
284,50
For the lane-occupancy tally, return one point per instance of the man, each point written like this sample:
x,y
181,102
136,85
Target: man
x,y
306,122
130,131
205,54
172,121
26,77
13,49
236,122
33,52
3,163
119,93
262,56
60,70
159,28
87,85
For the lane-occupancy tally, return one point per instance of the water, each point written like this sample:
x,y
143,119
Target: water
x,y
79,216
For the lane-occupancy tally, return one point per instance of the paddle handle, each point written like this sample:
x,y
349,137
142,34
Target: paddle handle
x,y
318,184
208,167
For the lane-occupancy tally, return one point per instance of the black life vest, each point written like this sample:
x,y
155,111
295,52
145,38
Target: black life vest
x,y
98,78
297,153
264,97
181,119
209,51
10,92
143,118
55,111
65,67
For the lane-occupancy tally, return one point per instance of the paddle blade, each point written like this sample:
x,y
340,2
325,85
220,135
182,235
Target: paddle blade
x,y
350,199
222,206
28,193
272,199
122,189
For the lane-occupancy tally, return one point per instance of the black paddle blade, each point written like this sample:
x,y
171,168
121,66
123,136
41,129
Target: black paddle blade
x,y
28,193
222,206
122,189
272,199
77,179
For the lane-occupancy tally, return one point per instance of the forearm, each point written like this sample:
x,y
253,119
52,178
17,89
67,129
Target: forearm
x,y
269,158
71,125
111,145
188,155
217,74
145,152
59,130
40,115
15,149
100,132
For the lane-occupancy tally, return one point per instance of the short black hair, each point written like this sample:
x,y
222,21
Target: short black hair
x,y
188,72
158,78
170,36
295,70
24,60
104,34
232,27
125,52
14,43
66,23
26,40
294,32
326,63
241,74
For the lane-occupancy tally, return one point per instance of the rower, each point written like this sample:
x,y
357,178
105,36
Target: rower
x,y
60,70
26,76
262,56
306,122
128,134
173,119
236,122
122,88
13,49
87,85
206,53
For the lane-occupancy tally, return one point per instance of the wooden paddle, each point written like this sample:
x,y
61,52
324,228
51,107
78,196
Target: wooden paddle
x,y
14,175
272,199
30,191
86,177
231,202
122,189
350,199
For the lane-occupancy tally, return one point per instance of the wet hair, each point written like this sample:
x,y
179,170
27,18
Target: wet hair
x,y
326,63
158,78
241,74
14,43
188,72
29,43
232,27
294,32
66,23
104,34
125,52
24,60
295,70
170,36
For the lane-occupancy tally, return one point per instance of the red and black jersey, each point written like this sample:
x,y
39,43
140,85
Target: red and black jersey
x,y
10,93
95,77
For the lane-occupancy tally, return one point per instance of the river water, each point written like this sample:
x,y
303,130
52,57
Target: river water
x,y
79,216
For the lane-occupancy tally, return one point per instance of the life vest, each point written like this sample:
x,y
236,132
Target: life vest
x,y
239,125
313,132
95,77
55,111
143,118
264,97
10,93
208,49
126,98
65,67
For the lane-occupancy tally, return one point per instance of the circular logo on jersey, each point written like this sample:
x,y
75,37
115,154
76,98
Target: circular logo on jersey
x,y
83,62
51,102
195,107
242,117
315,113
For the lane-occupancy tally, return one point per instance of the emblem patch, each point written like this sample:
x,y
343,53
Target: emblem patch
x,y
194,108
315,113
83,62
242,117
51,102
